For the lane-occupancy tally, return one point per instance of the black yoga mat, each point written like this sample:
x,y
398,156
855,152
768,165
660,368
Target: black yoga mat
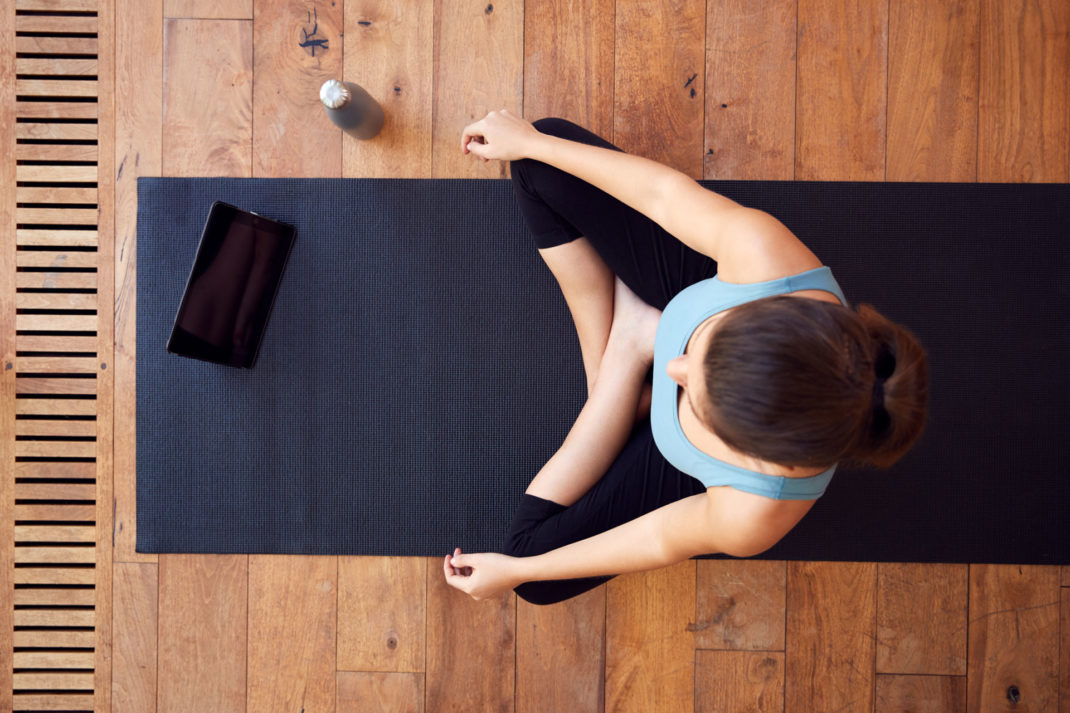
x,y
420,366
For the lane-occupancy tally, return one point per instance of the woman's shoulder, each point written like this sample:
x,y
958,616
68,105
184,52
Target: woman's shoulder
x,y
762,249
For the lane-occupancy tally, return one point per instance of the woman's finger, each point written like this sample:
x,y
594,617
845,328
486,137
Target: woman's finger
x,y
471,131
448,568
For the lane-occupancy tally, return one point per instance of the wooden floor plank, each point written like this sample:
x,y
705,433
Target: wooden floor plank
x,y
568,62
658,94
136,590
1024,129
563,644
291,134
381,614
1013,637
471,648
932,90
207,83
649,644
740,605
138,152
750,90
382,692
203,633
389,50
921,618
831,614
739,682
841,90
479,67
1064,649
293,605
921,694
213,9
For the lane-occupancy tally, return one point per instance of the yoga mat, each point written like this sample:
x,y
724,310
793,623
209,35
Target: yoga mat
x,y
420,366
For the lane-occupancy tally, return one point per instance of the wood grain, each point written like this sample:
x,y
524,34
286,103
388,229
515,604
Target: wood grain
x,y
471,648
133,684
390,52
291,134
921,618
750,90
207,94
739,682
479,67
841,90
649,644
921,694
203,633
382,692
831,610
740,605
1024,129
138,152
293,605
658,81
932,90
382,605
1013,637
1064,649
564,644
568,62
217,9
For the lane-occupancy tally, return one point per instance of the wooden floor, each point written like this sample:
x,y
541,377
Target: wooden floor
x,y
94,93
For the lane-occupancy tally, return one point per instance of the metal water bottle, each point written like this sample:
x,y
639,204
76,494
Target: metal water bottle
x,y
351,108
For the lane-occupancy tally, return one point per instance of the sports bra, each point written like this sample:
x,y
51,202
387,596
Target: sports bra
x,y
684,313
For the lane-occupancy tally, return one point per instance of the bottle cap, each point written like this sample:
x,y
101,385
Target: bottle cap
x,y
334,94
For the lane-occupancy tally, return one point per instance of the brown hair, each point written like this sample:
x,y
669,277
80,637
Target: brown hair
x,y
803,382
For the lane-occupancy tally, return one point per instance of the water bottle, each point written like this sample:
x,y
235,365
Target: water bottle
x,y
351,108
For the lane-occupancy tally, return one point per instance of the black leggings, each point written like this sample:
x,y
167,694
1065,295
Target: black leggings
x,y
559,208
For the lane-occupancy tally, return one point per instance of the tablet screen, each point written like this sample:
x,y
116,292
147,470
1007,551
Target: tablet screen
x,y
232,286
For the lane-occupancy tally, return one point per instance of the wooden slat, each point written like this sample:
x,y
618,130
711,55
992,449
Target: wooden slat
x,y
58,5
42,427
740,605
56,132
920,694
134,651
56,152
207,58
55,618
54,702
62,67
384,692
301,674
563,644
56,87
1013,636
841,90
750,90
921,618
478,68
203,614
51,300
392,57
56,343
56,365
55,639
55,407
138,72
381,613
83,471
739,682
55,555
45,110
55,491
57,174
54,681
56,24
58,195
659,85
56,45
52,533
568,62
649,647
217,9
59,216
285,95
485,631
53,659
72,513
831,614
57,322
56,280
932,90
1024,132
54,575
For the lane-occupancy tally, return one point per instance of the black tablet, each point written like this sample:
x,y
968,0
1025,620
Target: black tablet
x,y
230,291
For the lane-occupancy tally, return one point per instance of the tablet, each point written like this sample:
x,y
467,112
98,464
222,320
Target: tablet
x,y
231,288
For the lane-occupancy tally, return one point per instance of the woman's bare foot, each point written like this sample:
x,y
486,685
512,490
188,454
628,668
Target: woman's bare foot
x,y
634,325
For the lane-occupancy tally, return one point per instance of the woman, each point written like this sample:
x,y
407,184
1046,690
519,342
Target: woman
x,y
763,378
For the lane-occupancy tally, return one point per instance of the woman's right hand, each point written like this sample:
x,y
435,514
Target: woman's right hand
x,y
500,135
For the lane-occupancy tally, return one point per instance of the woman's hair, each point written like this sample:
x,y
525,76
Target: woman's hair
x,y
803,382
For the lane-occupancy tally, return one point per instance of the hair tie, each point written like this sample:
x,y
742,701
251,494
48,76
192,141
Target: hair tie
x,y
883,368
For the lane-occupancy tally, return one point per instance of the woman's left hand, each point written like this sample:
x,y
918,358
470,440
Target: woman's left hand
x,y
481,576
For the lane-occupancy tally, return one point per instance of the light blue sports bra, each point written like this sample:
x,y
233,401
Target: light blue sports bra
x,y
684,313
